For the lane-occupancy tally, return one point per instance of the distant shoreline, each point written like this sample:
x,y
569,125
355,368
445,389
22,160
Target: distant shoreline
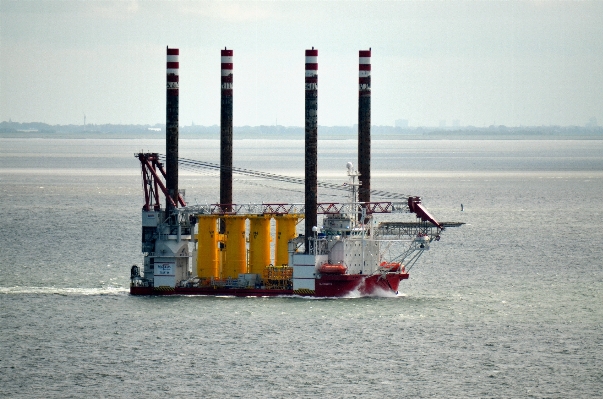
x,y
276,132
249,136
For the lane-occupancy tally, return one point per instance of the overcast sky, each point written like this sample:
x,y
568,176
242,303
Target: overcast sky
x,y
505,63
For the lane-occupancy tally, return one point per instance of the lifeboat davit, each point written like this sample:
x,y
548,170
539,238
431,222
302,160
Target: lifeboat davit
x,y
392,266
328,268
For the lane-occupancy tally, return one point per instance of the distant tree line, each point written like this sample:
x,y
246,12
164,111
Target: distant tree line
x,y
328,132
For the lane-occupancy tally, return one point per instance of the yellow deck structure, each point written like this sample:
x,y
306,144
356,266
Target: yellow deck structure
x,y
220,256
235,246
285,231
259,243
208,264
277,277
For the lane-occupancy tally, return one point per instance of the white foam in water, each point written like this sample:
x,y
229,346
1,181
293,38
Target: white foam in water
x,y
64,290
354,294
382,293
377,293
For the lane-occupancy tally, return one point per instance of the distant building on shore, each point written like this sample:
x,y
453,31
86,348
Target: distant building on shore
x,y
403,123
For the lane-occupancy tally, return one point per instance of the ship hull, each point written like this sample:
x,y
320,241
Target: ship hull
x,y
326,286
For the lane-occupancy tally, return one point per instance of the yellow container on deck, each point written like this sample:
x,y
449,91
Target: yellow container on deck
x,y
235,250
207,247
285,231
259,243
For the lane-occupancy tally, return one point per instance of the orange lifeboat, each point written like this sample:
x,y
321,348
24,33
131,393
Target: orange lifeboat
x,y
328,268
392,266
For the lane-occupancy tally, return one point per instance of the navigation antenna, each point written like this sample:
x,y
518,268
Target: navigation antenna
x,y
353,174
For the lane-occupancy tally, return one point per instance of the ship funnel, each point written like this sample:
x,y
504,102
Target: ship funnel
x,y
171,127
364,125
311,143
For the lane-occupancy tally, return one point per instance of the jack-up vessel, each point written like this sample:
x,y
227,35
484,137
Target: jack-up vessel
x,y
356,248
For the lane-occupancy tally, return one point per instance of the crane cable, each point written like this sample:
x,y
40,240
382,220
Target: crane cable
x,y
197,166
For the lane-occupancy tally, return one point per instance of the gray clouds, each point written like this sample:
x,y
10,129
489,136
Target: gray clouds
x,y
512,63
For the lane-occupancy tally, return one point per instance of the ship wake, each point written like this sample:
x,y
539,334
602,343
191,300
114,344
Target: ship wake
x,y
66,291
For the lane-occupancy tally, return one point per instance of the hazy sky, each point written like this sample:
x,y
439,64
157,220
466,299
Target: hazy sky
x,y
512,63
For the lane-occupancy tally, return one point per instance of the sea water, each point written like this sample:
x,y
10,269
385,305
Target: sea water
x,y
508,305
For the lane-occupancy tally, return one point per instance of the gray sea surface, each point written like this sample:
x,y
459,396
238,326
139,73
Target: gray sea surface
x,y
510,305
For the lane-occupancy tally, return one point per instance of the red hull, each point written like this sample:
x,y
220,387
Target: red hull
x,y
326,286
330,285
